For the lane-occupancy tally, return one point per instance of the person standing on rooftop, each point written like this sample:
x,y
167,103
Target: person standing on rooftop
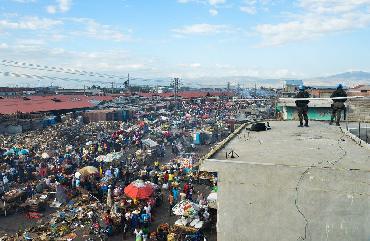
x,y
338,104
302,105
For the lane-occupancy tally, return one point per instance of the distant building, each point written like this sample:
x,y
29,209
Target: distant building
x,y
8,91
292,85
88,92
321,91
360,90
317,109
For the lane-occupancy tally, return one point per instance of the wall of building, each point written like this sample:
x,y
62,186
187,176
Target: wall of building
x,y
359,110
314,113
321,93
22,125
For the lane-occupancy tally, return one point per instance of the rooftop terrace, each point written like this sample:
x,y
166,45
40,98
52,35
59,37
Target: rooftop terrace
x,y
293,183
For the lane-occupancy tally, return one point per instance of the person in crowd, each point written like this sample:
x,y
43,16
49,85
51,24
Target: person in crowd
x,y
108,221
138,234
176,194
171,202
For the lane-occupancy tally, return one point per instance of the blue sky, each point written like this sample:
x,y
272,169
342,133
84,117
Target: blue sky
x,y
189,38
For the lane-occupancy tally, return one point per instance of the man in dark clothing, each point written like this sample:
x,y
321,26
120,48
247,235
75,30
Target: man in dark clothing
x,y
338,104
302,106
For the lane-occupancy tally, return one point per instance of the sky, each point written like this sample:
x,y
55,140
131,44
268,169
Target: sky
x,y
189,39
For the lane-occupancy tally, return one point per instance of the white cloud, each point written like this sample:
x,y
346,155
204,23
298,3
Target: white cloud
x,y
64,5
29,23
216,2
192,65
47,29
30,42
96,30
333,6
3,46
51,9
213,12
209,2
24,1
61,6
248,9
118,62
320,17
250,6
203,28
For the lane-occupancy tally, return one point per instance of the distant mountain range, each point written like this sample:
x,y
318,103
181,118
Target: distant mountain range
x,y
353,75
348,79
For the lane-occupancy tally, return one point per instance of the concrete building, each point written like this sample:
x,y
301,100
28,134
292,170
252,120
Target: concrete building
x,y
322,91
292,184
359,110
292,85
317,109
8,91
360,90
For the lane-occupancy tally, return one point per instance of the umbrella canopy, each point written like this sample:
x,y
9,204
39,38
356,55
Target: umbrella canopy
x,y
115,156
150,143
77,175
88,170
186,208
139,190
23,152
45,155
9,152
100,158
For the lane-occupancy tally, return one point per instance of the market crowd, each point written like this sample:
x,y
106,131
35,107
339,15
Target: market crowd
x,y
106,179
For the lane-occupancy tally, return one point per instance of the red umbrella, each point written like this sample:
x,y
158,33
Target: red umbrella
x,y
139,190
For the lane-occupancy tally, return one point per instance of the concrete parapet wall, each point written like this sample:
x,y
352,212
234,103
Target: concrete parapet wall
x,y
359,110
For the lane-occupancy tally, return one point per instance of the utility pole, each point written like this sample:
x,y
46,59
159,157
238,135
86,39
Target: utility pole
x,y
255,89
126,84
128,80
176,83
112,87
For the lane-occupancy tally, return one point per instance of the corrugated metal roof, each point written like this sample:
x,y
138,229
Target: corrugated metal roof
x,y
46,103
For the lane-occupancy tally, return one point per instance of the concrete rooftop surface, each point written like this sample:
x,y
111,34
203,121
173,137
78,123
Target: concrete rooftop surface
x,y
293,183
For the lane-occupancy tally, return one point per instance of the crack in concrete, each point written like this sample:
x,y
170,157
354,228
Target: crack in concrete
x,y
298,186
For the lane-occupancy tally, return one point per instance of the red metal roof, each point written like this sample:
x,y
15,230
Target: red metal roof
x,y
46,103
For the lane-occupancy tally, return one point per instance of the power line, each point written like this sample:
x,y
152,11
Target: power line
x,y
54,78
45,77
25,65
